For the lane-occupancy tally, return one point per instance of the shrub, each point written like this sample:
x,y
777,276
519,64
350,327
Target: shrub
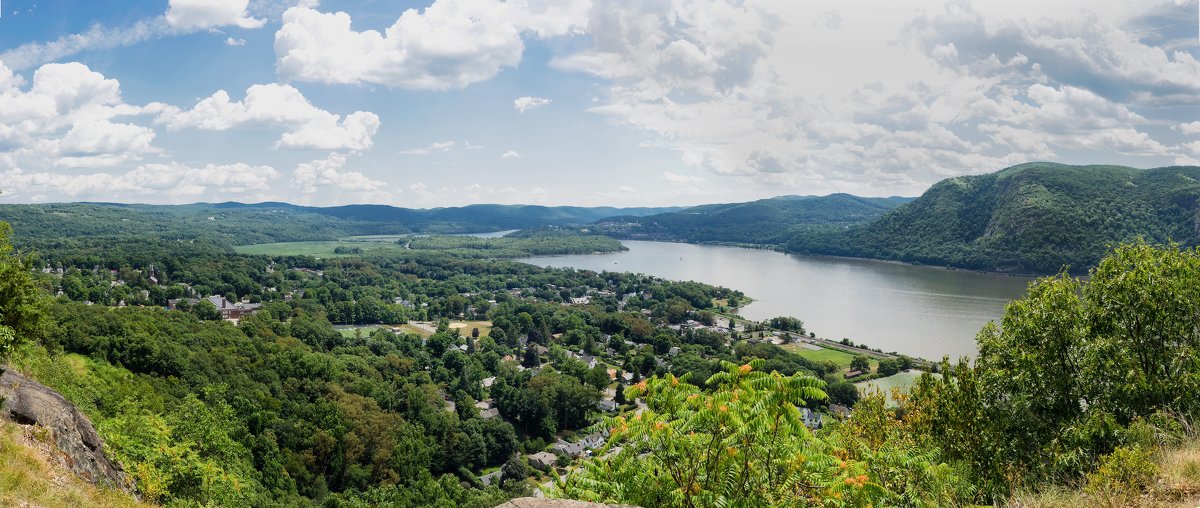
x,y
1126,472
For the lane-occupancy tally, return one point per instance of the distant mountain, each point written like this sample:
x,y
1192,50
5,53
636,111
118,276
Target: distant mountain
x,y
1031,218
240,223
766,221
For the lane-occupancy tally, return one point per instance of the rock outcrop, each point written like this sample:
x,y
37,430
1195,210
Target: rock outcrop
x,y
28,402
531,502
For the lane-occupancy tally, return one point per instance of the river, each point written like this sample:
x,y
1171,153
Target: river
x,y
915,310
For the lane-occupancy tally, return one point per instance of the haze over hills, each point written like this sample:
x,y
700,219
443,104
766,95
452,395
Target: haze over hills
x,y
238,223
1030,218
765,221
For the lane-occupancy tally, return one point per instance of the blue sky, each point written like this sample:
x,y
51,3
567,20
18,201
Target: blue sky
x,y
587,102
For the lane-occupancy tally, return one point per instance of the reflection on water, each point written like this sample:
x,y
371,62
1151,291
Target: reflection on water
x,y
922,311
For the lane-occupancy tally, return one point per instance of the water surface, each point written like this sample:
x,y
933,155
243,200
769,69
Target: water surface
x,y
921,311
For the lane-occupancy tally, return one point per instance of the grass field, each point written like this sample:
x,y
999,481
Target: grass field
x,y
350,332
841,358
317,249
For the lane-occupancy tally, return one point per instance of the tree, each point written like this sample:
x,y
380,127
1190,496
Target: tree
x,y
515,470
530,360
889,367
842,392
206,311
22,306
719,449
860,363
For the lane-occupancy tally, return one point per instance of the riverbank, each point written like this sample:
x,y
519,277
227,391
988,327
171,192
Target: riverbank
x,y
913,310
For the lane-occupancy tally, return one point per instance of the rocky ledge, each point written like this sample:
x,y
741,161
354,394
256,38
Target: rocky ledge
x,y
27,402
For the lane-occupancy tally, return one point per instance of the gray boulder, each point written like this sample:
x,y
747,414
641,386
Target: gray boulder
x,y
27,402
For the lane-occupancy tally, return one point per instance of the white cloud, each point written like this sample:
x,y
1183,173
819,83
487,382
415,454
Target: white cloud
x,y
182,17
1188,128
96,37
450,44
156,183
435,147
751,89
511,154
523,103
206,14
307,126
330,172
67,119
235,42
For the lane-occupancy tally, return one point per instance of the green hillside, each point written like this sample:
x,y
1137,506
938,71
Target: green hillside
x,y
1035,217
244,224
766,221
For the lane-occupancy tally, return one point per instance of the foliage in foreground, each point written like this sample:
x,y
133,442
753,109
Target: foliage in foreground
x,y
745,444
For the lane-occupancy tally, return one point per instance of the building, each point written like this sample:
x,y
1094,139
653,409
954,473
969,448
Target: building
x,y
229,310
812,419
569,449
594,440
488,381
543,460
489,413
491,478
607,406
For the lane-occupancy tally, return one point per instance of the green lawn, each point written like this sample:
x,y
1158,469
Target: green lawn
x,y
350,332
841,358
316,249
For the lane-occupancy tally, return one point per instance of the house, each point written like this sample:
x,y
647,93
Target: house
x,y
593,440
488,381
853,374
607,406
541,350
490,413
588,360
491,478
627,376
229,310
484,405
543,460
812,419
569,449
674,351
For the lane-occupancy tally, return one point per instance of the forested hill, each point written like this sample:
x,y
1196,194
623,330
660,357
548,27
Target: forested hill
x,y
766,221
1035,217
237,223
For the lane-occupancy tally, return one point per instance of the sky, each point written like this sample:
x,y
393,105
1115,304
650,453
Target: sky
x,y
579,102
